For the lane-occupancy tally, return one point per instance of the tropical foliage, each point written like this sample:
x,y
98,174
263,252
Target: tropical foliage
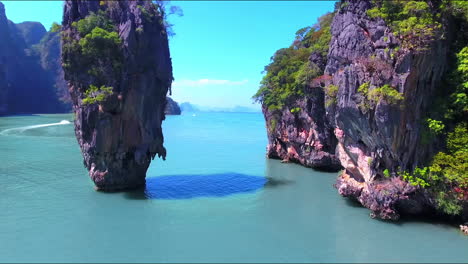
x,y
373,96
412,21
290,71
97,94
447,176
55,27
331,91
98,49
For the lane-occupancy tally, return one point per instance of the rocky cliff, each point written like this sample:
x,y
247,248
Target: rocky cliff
x,y
172,107
367,109
384,136
31,32
26,86
117,63
48,51
298,130
304,137
5,47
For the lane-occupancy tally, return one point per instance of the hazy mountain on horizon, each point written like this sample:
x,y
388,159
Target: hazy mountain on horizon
x,y
189,107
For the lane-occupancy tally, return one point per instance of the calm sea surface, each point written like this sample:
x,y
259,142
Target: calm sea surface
x,y
215,199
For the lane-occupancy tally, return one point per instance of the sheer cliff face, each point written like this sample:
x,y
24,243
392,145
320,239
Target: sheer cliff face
x,y
120,133
386,135
366,138
4,49
49,55
25,85
32,32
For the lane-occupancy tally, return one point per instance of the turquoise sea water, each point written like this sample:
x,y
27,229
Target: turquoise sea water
x,y
215,199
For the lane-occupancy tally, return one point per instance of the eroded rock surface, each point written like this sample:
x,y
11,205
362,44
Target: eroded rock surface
x,y
300,132
304,137
371,141
387,136
120,134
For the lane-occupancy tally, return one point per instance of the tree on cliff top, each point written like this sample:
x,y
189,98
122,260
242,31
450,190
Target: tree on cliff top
x,y
167,10
290,72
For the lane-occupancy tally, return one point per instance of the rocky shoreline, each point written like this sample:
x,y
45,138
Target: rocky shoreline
x,y
335,124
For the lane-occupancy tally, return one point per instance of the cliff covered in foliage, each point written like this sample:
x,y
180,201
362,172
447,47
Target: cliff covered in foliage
x,y
117,63
379,87
297,127
30,80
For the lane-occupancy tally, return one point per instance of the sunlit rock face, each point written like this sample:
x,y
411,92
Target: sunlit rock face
x,y
119,133
366,141
386,136
305,137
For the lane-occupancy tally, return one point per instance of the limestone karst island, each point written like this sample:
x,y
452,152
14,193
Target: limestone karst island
x,y
140,131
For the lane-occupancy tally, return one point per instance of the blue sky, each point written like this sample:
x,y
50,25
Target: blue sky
x,y
220,47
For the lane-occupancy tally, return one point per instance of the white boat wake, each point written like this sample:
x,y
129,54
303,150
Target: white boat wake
x,y
19,130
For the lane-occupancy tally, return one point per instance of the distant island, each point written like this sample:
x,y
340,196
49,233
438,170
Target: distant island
x,y
189,107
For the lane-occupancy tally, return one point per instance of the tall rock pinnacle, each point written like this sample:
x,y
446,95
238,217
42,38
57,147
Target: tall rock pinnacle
x,y
118,68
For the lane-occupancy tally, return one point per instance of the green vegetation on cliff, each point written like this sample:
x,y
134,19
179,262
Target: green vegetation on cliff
x,y
290,71
412,21
93,44
55,27
97,94
163,12
332,92
98,50
435,126
92,21
100,43
416,23
446,176
460,95
373,96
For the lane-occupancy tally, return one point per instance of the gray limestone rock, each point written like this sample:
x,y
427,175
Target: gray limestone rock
x,y
120,135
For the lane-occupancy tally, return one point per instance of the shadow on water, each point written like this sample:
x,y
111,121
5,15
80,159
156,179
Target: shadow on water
x,y
352,203
444,221
272,182
173,187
